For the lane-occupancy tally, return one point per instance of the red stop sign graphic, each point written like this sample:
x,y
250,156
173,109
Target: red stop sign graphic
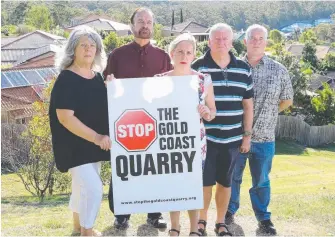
x,y
135,130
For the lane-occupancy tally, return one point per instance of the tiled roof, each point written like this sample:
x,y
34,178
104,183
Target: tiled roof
x,y
7,40
18,97
297,49
37,52
104,24
23,113
317,80
321,51
54,37
80,20
190,26
38,63
12,55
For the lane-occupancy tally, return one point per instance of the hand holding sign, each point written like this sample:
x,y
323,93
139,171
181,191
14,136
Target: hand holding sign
x,y
109,78
204,112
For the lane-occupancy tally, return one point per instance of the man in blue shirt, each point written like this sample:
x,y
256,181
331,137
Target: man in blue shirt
x,y
230,132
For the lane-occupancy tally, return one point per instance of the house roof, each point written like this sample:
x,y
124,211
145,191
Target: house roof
x,y
321,51
317,80
239,35
51,36
40,61
104,24
23,113
87,18
188,26
37,52
12,55
18,77
18,97
7,40
296,50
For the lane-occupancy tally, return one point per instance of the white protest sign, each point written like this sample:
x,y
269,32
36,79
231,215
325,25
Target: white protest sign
x,y
155,155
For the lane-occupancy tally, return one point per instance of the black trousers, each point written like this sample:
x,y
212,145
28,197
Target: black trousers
x,y
155,215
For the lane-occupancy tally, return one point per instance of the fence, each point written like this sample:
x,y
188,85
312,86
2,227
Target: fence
x,y
296,129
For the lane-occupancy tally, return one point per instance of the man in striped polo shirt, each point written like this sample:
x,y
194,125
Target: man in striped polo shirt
x,y
230,132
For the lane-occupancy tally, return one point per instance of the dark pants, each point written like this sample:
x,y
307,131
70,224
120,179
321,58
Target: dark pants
x,y
111,206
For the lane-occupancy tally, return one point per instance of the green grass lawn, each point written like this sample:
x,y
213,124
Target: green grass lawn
x,y
303,201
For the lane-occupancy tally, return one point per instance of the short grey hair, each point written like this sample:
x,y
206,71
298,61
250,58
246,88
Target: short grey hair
x,y
183,37
65,57
220,27
252,28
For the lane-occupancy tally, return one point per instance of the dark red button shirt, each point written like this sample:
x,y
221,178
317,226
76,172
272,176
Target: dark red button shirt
x,y
132,61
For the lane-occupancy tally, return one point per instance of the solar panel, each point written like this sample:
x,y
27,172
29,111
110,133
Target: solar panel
x,y
47,74
33,77
4,82
16,79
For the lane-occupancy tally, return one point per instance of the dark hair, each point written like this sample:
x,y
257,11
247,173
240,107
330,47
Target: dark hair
x,y
140,9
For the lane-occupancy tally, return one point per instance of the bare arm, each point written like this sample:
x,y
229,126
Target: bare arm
x,y
248,115
248,108
73,124
210,101
284,104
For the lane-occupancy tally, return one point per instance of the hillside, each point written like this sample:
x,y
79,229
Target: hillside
x,y
275,14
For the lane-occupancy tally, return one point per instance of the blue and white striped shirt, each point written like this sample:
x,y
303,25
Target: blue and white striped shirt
x,y
231,85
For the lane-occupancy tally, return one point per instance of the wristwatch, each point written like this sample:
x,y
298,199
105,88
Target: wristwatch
x,y
247,133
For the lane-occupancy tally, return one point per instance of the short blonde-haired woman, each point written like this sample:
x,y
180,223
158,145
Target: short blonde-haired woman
x,y
182,52
79,123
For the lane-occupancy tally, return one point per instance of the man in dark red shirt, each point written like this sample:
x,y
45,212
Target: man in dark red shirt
x,y
138,59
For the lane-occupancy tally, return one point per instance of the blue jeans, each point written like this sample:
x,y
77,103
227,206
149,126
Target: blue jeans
x,y
260,163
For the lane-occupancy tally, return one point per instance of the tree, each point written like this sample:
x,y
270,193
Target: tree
x,y
165,42
308,35
329,61
309,54
126,39
8,30
61,13
39,16
111,42
324,106
276,36
181,16
59,31
239,47
321,31
172,21
300,78
158,32
4,17
24,29
277,49
202,47
19,13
